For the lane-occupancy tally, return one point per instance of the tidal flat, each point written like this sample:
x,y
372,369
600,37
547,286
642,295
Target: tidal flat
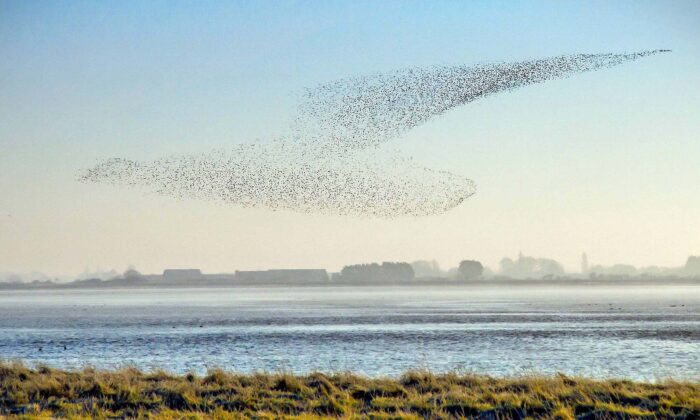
x,y
639,332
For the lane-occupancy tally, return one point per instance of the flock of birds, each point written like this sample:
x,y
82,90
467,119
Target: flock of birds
x,y
330,161
264,175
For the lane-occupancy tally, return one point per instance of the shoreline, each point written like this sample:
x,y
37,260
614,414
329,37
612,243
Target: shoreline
x,y
128,392
496,282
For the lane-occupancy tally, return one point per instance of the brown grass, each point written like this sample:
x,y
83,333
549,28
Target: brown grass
x,y
43,392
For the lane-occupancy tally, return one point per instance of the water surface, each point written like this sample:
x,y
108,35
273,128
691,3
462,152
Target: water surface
x,y
640,332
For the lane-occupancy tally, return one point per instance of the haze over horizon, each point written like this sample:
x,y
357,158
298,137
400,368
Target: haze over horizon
x,y
520,266
605,162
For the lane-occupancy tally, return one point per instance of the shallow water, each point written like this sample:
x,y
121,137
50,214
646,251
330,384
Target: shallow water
x,y
640,332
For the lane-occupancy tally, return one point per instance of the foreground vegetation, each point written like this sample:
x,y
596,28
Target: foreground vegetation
x,y
44,392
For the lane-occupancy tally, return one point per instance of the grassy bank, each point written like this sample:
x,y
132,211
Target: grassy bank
x,y
27,392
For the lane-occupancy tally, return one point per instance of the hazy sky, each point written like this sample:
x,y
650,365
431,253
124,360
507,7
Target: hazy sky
x,y
605,162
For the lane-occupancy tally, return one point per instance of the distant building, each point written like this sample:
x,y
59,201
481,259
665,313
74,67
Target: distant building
x,y
584,264
177,275
282,276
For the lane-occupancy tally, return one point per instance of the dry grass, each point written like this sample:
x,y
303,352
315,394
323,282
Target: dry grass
x,y
43,392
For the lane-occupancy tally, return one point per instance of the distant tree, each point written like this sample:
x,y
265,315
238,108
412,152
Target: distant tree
x,y
132,274
400,271
550,267
470,269
529,267
692,266
423,268
507,266
364,272
621,270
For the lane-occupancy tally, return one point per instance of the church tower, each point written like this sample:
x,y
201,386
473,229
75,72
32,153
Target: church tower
x,y
584,263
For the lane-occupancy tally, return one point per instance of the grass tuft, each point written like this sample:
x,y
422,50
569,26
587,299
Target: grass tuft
x,y
45,392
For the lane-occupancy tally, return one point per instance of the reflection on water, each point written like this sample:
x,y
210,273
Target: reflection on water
x,y
641,332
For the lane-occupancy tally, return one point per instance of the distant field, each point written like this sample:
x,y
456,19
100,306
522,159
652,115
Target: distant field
x,y
44,392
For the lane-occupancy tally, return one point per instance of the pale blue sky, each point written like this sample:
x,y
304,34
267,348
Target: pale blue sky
x,y
605,162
